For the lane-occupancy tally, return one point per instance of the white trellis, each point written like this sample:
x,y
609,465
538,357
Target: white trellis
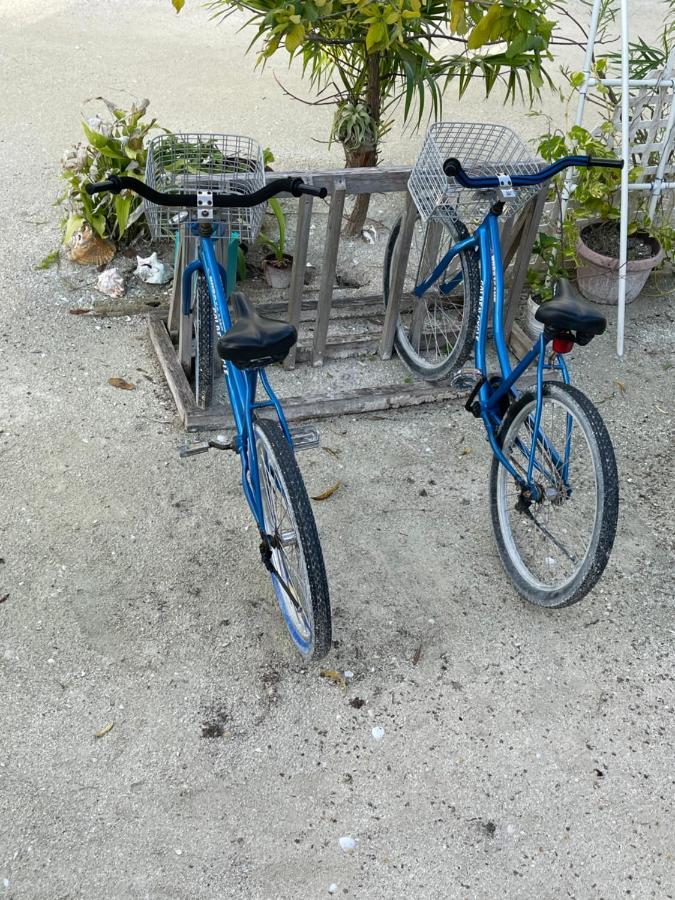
x,y
647,121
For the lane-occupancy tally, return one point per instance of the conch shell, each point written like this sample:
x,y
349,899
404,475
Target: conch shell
x,y
110,282
89,249
152,270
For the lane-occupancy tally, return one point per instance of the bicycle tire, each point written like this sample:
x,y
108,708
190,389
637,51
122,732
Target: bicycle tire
x,y
203,326
570,496
313,637
422,260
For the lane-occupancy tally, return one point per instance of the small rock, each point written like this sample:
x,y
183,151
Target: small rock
x,y
332,888
348,673
347,843
378,733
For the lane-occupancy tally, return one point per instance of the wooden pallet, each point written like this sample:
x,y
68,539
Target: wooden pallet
x,y
218,417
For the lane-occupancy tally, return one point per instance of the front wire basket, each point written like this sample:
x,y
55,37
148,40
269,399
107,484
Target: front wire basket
x,y
223,163
482,150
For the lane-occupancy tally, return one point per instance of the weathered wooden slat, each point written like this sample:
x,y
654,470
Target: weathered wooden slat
x,y
342,348
298,272
173,371
333,228
519,342
527,239
361,400
398,265
176,290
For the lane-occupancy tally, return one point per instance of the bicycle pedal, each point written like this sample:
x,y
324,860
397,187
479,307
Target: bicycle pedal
x,y
221,442
193,449
465,379
304,437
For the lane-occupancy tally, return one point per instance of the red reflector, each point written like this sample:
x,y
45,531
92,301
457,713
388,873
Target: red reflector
x,y
562,345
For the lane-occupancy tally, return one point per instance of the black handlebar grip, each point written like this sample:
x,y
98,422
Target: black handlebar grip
x,y
112,184
314,192
604,163
452,167
298,187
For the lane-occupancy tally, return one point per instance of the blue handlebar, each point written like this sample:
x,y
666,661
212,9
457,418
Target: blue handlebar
x,y
453,169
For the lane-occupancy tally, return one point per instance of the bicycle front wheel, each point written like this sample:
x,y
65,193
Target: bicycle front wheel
x,y
556,548
434,332
299,575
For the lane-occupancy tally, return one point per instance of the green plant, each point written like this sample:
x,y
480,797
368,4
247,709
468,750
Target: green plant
x,y
277,247
367,57
113,146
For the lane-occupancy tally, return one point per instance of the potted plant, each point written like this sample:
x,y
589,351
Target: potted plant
x,y
277,264
547,268
590,231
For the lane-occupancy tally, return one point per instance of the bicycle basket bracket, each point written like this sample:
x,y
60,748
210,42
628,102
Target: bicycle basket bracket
x,y
222,163
482,150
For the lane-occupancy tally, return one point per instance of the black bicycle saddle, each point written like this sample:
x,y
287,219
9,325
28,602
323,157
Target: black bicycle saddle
x,y
254,340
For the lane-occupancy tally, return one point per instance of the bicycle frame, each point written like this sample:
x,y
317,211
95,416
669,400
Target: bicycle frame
x,y
241,384
486,241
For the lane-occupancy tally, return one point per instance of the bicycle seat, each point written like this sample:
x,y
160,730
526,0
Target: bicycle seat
x,y
254,340
568,312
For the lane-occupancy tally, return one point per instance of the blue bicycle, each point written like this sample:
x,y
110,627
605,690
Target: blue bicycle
x,y
553,485
289,542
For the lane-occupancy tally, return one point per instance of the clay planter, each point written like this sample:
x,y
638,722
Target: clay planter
x,y
598,275
278,272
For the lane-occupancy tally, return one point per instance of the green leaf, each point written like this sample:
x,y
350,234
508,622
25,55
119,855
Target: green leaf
x,y
294,37
49,259
482,32
122,210
72,225
97,222
376,36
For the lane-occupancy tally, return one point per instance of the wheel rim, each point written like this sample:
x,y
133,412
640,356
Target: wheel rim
x,y
286,547
550,540
430,327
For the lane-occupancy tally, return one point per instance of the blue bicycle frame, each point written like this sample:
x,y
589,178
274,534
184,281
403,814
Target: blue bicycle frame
x,y
241,384
486,242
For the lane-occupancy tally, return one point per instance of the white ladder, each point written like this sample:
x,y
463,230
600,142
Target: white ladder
x,y
663,83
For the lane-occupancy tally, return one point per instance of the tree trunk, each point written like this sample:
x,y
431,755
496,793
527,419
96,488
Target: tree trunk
x,y
366,154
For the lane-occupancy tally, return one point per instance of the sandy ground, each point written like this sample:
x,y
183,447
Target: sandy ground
x,y
525,754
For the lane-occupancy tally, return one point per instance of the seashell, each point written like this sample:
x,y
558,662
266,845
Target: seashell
x,y
110,282
89,249
152,270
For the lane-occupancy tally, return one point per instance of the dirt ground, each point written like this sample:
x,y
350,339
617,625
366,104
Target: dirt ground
x,y
525,754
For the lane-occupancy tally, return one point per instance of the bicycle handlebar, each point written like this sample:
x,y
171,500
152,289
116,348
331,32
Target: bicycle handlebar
x,y
453,169
294,186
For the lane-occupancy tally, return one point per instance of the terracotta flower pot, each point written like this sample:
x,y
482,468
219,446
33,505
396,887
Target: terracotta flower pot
x,y
598,275
278,272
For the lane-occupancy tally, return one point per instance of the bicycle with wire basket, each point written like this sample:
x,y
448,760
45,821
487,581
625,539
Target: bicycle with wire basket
x,y
553,484
289,542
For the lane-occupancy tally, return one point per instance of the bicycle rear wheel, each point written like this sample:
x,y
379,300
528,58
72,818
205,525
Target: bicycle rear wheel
x,y
203,328
435,332
556,548
298,575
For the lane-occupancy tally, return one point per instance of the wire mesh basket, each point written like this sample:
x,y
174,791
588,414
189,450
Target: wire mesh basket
x,y
226,163
482,150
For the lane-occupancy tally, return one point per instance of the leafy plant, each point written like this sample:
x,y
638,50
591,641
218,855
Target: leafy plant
x,y
367,57
116,145
277,247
